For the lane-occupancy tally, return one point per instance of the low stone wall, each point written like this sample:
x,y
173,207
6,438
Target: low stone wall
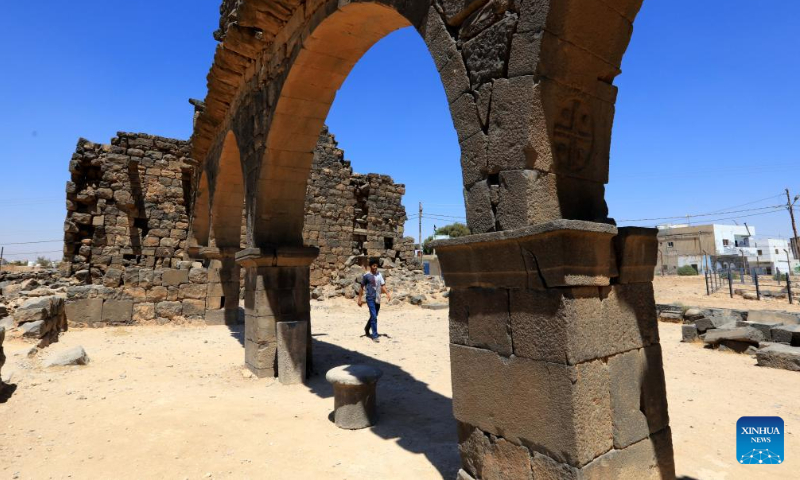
x,y
150,295
773,337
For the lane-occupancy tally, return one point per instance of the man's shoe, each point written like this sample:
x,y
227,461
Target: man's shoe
x,y
376,340
366,331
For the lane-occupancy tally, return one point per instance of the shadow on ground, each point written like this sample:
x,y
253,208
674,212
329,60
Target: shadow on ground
x,y
6,391
409,413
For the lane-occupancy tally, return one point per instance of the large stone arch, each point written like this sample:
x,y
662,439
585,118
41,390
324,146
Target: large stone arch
x,y
555,358
227,197
201,216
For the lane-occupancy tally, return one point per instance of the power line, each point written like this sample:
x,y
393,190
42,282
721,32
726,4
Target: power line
x,y
701,214
750,203
30,253
30,243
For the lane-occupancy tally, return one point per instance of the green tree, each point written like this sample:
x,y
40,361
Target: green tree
x,y
453,230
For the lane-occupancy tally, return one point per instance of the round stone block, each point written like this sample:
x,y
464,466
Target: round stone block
x,y
354,402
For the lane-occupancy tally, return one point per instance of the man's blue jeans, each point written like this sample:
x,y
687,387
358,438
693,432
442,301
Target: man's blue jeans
x,y
372,323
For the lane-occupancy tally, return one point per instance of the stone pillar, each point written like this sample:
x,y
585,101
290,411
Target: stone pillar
x,y
555,355
276,290
222,298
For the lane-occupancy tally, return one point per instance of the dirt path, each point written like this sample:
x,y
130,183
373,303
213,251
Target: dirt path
x,y
161,402
691,291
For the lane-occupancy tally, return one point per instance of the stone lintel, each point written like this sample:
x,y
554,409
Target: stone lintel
x,y
277,256
561,253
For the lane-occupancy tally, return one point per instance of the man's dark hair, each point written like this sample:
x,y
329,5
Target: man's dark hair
x,y
374,261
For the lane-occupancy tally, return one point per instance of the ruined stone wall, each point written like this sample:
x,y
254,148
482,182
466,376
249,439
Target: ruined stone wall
x,y
350,214
126,230
125,235
126,206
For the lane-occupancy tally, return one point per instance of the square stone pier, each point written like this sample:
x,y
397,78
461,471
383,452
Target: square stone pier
x,y
276,290
556,363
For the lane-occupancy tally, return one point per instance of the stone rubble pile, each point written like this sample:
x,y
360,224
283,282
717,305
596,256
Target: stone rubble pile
x,y
32,305
405,285
772,336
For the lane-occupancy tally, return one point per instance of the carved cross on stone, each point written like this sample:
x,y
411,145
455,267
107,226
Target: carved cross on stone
x,y
573,137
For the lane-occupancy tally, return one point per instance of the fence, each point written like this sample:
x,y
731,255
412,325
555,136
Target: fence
x,y
752,284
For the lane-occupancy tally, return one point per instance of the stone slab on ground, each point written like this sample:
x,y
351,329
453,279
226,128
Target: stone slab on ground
x,y
767,316
72,356
787,334
707,323
689,333
739,334
763,327
779,356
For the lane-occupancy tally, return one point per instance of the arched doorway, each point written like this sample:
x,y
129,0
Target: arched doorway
x,y
556,365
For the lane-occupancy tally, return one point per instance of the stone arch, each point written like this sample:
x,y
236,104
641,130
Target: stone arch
x,y
227,198
580,389
201,214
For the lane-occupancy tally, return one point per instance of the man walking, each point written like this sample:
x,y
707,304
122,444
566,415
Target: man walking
x,y
374,284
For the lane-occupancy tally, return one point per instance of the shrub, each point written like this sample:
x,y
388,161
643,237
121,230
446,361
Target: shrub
x,y
687,270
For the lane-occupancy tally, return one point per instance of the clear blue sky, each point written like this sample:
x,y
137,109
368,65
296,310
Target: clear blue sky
x,y
707,116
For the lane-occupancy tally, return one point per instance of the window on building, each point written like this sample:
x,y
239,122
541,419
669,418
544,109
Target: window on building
x,y
670,244
760,252
776,250
725,242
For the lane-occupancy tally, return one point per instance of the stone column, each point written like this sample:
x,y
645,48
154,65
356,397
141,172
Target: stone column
x,y
276,290
222,299
555,355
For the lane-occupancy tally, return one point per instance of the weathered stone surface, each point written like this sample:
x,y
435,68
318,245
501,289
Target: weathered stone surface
x,y
354,394
707,323
487,456
740,334
561,253
456,11
693,314
72,356
574,325
636,251
787,334
564,409
638,395
88,310
485,55
36,329
689,333
292,347
169,310
143,312
172,277
779,356
117,311
649,459
764,327
485,316
194,308
39,308
767,316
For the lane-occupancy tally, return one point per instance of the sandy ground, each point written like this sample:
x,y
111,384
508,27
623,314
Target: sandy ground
x,y
162,402
691,291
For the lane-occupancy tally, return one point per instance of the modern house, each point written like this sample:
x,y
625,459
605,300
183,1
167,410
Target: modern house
x,y
717,247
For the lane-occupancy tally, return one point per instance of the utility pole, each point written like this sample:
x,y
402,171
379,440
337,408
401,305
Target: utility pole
x,y
790,206
2,249
420,228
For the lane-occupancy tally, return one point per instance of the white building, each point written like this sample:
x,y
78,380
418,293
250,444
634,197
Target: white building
x,y
720,246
